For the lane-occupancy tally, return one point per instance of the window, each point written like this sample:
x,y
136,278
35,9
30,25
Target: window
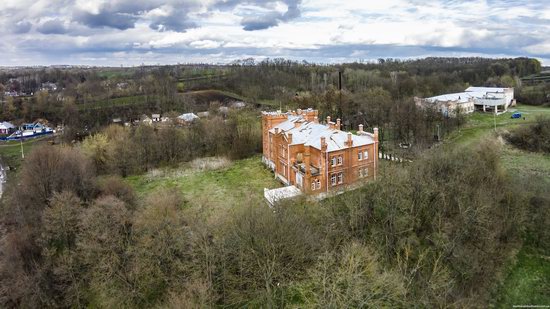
x,y
313,186
360,155
340,160
318,184
363,172
333,160
333,179
366,155
340,178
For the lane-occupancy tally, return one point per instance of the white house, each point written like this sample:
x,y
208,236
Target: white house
x,y
6,127
187,118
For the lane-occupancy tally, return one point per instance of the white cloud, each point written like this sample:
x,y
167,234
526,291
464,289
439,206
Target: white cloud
x,y
322,30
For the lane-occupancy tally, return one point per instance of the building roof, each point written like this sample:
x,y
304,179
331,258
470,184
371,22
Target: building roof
x,y
469,94
460,97
310,133
6,125
487,89
188,117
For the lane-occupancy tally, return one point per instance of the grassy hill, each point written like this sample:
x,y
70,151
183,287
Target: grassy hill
x,y
526,279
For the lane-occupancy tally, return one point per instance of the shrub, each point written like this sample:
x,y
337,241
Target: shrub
x,y
535,137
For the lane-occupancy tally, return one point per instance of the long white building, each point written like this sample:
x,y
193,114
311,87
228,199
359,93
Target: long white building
x,y
485,99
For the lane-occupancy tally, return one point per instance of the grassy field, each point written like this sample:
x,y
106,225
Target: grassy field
x,y
223,186
10,152
200,96
116,102
482,124
526,281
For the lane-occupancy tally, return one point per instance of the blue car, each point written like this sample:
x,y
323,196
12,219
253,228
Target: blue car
x,y
516,115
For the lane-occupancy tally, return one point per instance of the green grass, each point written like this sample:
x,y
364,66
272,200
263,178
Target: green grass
x,y
116,102
527,282
116,73
526,164
241,182
10,151
483,124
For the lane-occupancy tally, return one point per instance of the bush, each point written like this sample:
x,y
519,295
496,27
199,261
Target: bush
x,y
535,137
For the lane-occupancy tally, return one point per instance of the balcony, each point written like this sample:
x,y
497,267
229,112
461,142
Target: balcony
x,y
302,168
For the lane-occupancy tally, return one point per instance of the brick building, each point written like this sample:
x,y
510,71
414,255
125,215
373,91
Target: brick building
x,y
317,157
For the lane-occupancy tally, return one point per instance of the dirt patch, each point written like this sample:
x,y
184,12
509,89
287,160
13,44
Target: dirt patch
x,y
195,166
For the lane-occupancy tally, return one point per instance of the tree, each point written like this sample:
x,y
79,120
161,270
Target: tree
x,y
103,240
353,278
96,147
59,276
51,169
161,252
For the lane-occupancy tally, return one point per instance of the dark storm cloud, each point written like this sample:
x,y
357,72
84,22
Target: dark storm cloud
x,y
121,21
263,20
124,15
54,26
177,20
22,27
252,23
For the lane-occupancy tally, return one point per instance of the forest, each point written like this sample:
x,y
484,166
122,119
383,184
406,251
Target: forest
x,y
440,231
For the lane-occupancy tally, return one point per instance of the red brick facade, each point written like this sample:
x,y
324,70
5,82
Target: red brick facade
x,y
295,140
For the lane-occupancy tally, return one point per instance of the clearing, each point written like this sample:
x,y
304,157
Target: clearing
x,y
211,183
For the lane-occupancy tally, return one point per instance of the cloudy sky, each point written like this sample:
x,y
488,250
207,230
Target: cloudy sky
x,y
131,32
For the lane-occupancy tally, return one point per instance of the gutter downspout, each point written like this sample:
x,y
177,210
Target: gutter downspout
x,y
326,168
288,162
375,158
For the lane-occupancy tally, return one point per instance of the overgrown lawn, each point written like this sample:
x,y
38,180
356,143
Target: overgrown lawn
x,y
226,187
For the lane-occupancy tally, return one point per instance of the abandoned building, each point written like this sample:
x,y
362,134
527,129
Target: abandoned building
x,y
317,157
493,99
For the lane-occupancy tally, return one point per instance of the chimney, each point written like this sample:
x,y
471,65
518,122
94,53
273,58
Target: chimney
x,y
338,124
289,135
350,140
276,130
328,119
375,134
361,128
297,124
315,119
299,111
323,144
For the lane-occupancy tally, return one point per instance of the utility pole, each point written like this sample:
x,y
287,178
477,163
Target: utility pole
x,y
495,119
340,93
22,153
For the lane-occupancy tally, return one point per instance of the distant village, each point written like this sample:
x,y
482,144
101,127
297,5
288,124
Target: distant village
x,y
184,119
